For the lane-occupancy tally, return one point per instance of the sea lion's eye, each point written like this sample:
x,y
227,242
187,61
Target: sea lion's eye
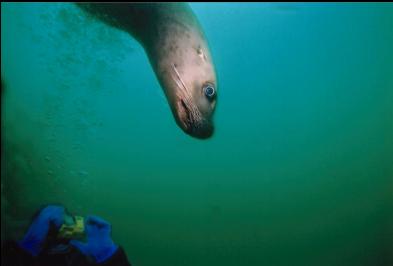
x,y
209,91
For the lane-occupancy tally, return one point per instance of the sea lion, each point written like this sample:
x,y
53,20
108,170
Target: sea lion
x,y
178,52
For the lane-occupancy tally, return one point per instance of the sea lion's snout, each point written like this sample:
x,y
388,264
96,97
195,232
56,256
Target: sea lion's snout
x,y
193,99
194,114
192,121
203,131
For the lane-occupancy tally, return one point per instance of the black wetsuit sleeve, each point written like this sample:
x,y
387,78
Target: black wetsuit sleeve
x,y
13,255
117,259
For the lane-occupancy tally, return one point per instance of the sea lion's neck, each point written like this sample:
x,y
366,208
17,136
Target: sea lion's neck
x,y
140,19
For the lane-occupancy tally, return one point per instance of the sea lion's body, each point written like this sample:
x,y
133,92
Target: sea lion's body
x,y
178,53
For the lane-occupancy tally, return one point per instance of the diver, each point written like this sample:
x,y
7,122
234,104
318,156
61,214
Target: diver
x,y
56,238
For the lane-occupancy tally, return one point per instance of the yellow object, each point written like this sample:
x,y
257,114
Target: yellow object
x,y
75,230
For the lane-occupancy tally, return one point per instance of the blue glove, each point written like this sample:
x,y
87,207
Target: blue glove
x,y
38,230
99,242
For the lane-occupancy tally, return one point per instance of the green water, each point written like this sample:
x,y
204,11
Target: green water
x,y
298,172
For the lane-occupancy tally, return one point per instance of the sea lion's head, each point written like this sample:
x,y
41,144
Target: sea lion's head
x,y
190,85
178,51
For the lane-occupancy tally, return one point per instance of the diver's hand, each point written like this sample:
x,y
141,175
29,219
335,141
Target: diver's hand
x,y
99,242
38,230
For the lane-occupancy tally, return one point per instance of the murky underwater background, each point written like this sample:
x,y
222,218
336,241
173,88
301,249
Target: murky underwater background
x,y
299,171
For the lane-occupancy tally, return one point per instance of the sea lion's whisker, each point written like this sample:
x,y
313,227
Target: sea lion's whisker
x,y
178,75
187,91
187,99
187,95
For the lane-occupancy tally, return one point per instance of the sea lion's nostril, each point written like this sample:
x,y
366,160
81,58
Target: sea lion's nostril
x,y
203,131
